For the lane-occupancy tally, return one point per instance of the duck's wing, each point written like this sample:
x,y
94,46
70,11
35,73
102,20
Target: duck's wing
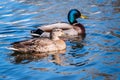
x,y
22,46
32,42
32,45
63,26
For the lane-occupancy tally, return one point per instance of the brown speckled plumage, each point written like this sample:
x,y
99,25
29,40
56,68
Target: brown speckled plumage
x,y
42,44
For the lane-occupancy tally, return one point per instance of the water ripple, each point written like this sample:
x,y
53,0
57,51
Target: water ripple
x,y
5,35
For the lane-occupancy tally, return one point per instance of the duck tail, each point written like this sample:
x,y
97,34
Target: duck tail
x,y
36,33
14,49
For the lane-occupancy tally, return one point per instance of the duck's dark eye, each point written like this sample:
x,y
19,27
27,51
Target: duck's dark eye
x,y
77,15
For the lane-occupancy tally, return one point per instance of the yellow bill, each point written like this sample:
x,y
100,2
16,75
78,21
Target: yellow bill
x,y
83,17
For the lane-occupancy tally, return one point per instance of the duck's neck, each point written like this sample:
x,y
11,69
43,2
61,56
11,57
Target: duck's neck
x,y
54,38
79,28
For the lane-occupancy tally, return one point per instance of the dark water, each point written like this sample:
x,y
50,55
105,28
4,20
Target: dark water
x,y
95,58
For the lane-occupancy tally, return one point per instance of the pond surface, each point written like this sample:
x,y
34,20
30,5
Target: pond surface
x,y
97,57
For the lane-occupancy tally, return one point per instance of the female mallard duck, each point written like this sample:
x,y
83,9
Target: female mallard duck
x,y
42,45
71,29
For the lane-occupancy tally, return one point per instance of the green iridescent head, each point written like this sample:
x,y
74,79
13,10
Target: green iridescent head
x,y
73,15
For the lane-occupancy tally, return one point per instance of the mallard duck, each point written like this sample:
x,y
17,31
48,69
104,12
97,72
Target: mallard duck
x,y
41,45
71,29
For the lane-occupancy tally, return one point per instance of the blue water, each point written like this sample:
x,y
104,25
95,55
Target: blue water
x,y
97,57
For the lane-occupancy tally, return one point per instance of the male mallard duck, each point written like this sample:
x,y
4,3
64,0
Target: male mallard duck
x,y
41,45
71,29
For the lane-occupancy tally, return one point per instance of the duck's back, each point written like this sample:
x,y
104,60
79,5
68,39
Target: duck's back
x,y
63,26
36,45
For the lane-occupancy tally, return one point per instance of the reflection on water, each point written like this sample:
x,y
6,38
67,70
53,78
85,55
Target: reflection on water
x,y
28,57
97,57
